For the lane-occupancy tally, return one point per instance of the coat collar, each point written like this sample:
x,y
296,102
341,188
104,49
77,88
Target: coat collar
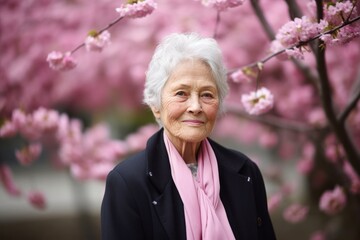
x,y
158,161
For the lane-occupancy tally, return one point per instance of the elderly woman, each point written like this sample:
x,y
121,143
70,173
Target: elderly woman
x,y
184,185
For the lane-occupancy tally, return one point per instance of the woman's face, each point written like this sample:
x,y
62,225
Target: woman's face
x,y
189,103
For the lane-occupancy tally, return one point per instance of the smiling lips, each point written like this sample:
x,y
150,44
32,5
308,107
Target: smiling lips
x,y
194,122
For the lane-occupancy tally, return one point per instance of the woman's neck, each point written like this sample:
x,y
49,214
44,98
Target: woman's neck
x,y
187,150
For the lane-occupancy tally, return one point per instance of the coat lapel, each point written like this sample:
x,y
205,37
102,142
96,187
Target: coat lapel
x,y
166,199
236,192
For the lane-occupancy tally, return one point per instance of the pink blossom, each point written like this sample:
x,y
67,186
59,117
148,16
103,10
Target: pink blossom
x,y
69,130
62,62
96,42
25,125
308,150
274,201
306,164
242,75
63,125
91,171
268,139
137,8
333,150
28,153
335,14
345,35
7,180
19,118
70,152
8,129
55,59
68,62
45,119
328,39
258,102
296,31
110,150
94,154
276,46
37,199
317,117
295,213
96,135
295,53
333,201
137,141
222,5
354,177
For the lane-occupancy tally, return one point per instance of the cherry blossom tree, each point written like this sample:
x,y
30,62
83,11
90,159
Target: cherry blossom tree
x,y
69,67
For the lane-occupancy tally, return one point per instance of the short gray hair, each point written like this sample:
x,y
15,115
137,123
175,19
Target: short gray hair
x,y
176,48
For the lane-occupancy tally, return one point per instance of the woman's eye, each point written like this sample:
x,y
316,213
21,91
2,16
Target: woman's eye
x,y
180,93
207,95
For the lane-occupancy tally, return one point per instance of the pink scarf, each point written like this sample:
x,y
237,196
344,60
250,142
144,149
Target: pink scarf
x,y
205,215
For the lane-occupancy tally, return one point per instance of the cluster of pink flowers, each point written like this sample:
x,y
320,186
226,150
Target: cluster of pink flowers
x,y
35,198
274,201
6,178
334,16
336,13
96,42
295,213
333,201
294,32
298,30
89,154
137,8
301,30
258,102
29,153
61,61
222,5
353,176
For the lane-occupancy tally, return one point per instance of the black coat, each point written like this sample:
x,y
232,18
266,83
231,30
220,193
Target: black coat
x,y
142,202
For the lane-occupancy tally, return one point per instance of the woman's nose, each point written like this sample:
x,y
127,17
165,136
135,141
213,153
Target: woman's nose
x,y
194,105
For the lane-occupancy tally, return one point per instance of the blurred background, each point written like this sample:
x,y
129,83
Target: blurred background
x,y
77,125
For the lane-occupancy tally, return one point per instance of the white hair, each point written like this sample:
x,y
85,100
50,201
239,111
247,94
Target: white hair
x,y
176,48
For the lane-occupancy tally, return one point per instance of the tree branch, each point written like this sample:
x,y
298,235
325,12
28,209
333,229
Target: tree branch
x,y
273,121
217,23
326,99
264,23
351,105
294,10
100,31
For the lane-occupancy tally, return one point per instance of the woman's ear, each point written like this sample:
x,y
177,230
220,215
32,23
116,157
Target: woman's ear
x,y
156,112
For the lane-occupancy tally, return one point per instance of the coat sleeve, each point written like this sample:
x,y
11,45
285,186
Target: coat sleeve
x,y
119,212
265,227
